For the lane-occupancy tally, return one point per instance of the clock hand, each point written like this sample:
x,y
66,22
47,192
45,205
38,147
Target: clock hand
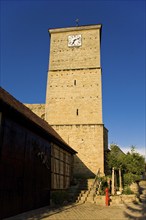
x,y
75,40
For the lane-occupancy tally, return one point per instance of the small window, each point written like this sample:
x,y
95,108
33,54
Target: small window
x,y
77,112
75,82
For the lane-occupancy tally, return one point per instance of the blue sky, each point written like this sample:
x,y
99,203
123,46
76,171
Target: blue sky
x,y
25,53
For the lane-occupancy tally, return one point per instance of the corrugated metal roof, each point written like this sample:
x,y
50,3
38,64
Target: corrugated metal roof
x,y
26,113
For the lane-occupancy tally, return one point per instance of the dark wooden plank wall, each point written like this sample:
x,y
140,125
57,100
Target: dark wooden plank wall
x,y
61,168
24,169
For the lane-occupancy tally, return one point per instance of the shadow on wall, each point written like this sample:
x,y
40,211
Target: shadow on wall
x,y
81,170
107,170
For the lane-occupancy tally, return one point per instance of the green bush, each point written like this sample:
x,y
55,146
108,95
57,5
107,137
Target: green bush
x,y
59,197
103,185
127,191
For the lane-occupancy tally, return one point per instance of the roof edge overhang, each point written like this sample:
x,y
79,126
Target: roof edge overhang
x,y
11,110
75,28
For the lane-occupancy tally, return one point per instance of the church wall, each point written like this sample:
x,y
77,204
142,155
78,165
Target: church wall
x,y
87,140
74,97
86,56
38,109
105,139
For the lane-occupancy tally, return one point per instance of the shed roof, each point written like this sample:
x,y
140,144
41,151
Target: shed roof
x,y
14,105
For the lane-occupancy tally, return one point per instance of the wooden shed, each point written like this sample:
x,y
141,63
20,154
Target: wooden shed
x,y
33,158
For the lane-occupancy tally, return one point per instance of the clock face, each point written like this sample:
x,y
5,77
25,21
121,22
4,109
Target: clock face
x,y
74,40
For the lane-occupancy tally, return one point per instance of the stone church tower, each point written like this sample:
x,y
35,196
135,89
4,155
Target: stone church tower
x,y
74,94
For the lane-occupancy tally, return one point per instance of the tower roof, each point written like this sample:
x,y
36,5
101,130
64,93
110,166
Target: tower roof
x,y
75,28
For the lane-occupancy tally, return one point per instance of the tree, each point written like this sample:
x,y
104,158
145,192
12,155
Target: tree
x,y
132,164
115,157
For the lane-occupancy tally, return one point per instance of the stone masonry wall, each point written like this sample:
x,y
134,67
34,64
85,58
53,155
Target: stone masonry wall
x,y
38,109
64,57
87,140
74,97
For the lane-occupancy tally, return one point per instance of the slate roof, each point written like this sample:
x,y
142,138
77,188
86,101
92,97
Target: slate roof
x,y
13,105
